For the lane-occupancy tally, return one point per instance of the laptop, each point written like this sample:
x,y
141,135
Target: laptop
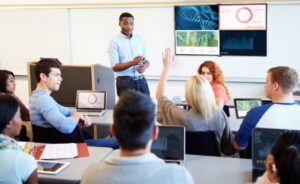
x,y
170,144
243,105
90,103
263,140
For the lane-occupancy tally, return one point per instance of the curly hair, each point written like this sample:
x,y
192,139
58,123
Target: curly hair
x,y
216,72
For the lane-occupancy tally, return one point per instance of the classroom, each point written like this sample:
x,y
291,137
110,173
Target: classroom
x,y
78,33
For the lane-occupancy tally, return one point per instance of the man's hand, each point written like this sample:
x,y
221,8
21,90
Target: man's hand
x,y
143,65
87,121
137,60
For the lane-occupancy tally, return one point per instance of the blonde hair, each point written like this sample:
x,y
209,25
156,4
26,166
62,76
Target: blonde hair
x,y
199,94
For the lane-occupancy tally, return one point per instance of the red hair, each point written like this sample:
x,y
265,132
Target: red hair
x,y
217,74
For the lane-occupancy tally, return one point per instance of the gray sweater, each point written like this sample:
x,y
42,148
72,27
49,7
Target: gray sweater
x,y
146,169
170,114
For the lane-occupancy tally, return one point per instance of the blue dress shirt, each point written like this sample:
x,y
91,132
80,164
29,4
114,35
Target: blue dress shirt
x,y
123,49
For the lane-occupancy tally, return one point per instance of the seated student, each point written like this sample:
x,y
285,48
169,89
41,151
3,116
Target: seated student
x,y
135,130
282,113
16,166
8,86
213,73
48,117
283,164
204,114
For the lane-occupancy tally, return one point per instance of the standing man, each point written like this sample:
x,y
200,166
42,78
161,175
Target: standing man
x,y
128,57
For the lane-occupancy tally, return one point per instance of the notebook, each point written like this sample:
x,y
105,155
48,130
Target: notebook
x,y
263,140
243,105
170,144
89,102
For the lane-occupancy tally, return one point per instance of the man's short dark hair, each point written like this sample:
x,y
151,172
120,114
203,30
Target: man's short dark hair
x,y
44,66
134,120
125,14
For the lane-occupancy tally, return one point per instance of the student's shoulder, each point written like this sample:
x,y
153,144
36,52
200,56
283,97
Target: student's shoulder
x,y
256,113
179,173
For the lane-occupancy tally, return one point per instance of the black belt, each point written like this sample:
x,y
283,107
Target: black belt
x,y
137,77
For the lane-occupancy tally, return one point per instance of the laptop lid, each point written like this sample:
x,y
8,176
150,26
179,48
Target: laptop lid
x,y
243,105
89,100
170,144
263,140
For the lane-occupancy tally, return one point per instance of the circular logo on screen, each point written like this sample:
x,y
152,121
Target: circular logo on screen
x,y
92,99
244,15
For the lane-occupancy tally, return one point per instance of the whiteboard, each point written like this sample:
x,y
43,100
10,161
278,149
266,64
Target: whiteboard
x,y
91,30
28,34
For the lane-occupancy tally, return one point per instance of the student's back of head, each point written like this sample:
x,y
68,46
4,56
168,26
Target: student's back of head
x,y
134,120
200,96
286,152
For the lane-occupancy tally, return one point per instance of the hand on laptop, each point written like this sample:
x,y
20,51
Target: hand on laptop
x,y
87,121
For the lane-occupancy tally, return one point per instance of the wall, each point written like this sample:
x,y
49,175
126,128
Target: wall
x,y
89,30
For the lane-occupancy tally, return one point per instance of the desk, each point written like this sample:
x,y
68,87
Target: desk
x,y
216,170
72,174
105,119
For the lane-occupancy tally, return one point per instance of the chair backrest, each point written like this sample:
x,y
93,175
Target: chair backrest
x,y
202,143
226,110
52,135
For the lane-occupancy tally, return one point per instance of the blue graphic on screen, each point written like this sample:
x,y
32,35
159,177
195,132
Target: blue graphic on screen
x,y
196,17
244,43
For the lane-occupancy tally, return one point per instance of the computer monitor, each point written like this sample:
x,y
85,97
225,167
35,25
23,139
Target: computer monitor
x,y
243,105
75,77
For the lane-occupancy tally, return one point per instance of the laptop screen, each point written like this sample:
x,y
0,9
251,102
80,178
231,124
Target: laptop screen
x,y
243,105
170,144
263,140
90,100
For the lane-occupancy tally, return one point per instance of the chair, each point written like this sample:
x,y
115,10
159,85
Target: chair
x,y
226,110
52,135
202,143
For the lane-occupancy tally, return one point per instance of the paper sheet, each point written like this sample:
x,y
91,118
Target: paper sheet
x,y
59,151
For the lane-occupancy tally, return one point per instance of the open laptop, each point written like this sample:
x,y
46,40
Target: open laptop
x,y
263,140
243,105
90,103
170,144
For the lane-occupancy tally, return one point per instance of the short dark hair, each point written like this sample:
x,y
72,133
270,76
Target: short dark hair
x,y
44,66
125,14
286,77
8,109
134,120
4,74
286,152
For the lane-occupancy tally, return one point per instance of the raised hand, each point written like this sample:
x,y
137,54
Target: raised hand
x,y
167,58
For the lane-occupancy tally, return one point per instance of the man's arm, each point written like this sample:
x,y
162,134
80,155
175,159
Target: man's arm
x,y
54,114
123,66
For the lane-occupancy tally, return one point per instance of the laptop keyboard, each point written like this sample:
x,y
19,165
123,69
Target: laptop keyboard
x,y
90,113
